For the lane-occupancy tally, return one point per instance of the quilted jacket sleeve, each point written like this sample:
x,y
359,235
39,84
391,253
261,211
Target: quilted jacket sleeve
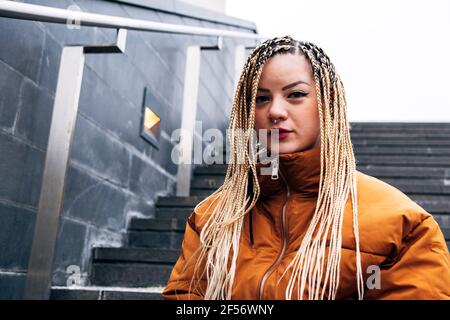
x,y
420,269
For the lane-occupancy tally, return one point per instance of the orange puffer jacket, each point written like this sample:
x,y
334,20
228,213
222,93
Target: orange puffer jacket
x,y
397,236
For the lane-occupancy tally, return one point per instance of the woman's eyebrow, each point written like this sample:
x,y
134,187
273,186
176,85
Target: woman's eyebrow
x,y
286,87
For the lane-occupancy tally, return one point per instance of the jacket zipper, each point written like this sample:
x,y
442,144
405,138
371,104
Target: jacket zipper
x,y
283,235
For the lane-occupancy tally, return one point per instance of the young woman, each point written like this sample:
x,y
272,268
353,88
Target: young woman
x,y
319,230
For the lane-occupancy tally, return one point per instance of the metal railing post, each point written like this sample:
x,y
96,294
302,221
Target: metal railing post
x,y
189,115
65,108
61,131
239,60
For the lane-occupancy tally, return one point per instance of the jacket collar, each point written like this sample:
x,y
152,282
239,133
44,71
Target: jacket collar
x,y
299,170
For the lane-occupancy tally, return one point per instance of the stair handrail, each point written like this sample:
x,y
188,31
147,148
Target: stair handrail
x,y
26,11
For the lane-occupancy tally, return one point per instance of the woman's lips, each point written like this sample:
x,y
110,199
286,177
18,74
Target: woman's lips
x,y
282,133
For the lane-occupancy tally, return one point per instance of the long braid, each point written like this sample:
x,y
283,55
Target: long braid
x,y
219,238
221,233
335,183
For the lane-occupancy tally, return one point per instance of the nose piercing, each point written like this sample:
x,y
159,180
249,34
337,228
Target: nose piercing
x,y
275,120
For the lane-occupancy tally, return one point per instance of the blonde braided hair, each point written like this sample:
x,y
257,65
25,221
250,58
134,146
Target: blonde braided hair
x,y
219,238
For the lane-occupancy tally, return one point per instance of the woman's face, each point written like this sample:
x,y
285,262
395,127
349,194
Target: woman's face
x,y
286,92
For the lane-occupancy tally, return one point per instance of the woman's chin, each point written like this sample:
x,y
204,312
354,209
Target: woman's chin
x,y
285,147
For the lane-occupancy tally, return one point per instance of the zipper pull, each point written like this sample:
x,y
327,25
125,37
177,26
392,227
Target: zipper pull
x,y
274,169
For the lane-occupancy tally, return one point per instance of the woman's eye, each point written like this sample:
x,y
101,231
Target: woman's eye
x,y
297,94
260,99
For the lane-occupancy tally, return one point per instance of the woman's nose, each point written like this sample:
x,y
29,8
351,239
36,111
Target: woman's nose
x,y
277,110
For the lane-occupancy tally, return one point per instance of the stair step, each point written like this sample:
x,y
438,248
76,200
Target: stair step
x,y
400,143
174,201
418,182
155,239
405,151
444,224
433,204
105,293
127,254
130,274
443,220
369,125
446,232
400,130
210,170
207,182
424,189
404,172
410,161
399,136
160,224
173,212
202,192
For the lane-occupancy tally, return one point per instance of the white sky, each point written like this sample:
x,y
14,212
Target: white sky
x,y
393,56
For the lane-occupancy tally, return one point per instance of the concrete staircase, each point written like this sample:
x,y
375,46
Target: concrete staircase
x,y
413,157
